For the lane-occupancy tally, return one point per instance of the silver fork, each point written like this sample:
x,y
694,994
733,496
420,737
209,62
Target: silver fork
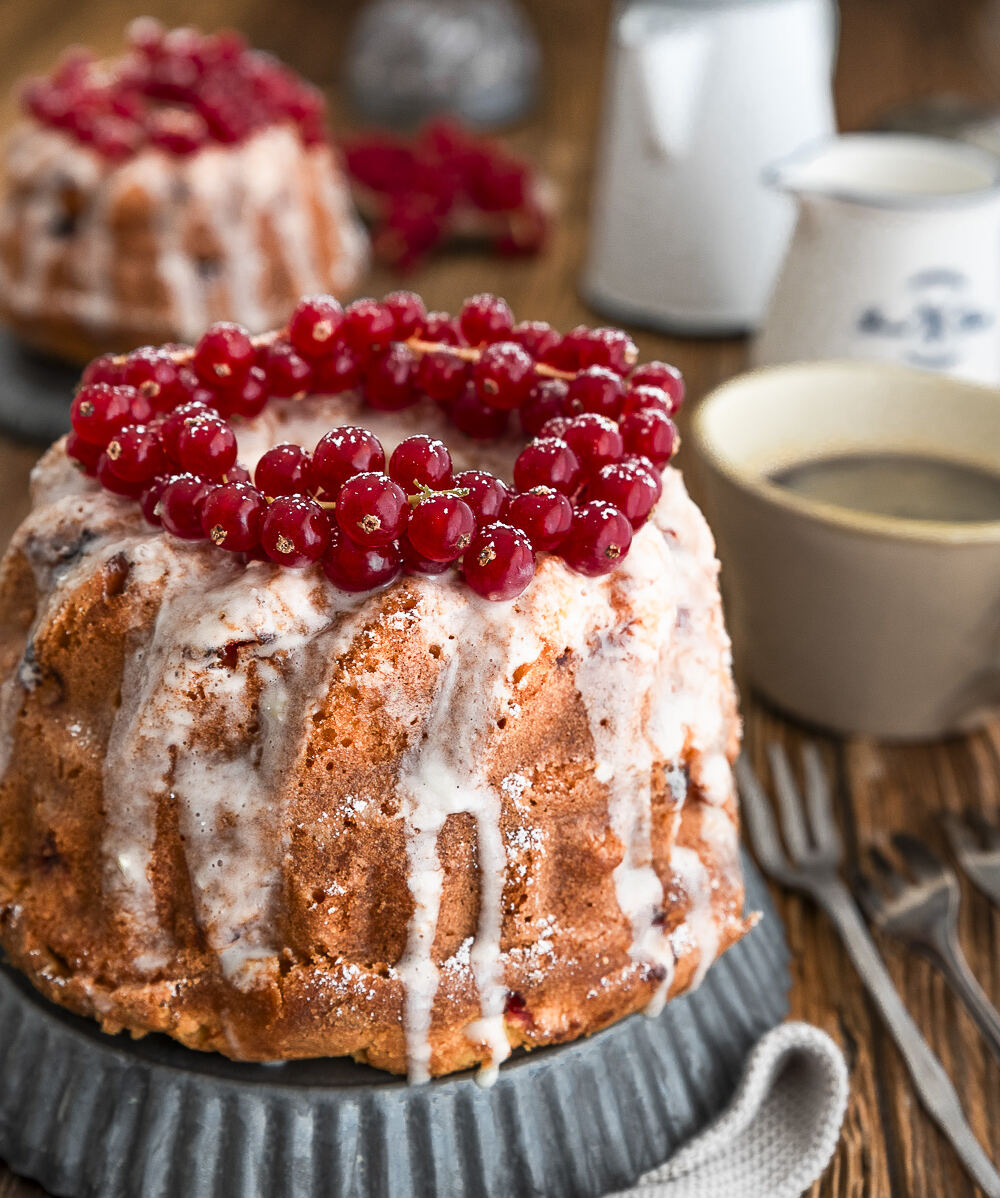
x,y
812,863
923,913
975,841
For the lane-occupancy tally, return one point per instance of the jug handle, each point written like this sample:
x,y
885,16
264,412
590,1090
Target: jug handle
x,y
671,74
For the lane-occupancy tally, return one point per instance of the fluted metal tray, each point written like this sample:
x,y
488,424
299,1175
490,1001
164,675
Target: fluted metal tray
x,y
95,1116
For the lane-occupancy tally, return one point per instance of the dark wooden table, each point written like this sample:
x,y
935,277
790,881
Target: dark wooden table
x,y
891,51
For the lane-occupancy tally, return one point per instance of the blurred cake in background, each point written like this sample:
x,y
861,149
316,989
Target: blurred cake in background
x,y
190,180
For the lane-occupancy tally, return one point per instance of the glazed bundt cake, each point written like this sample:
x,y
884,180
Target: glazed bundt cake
x,y
289,770
189,181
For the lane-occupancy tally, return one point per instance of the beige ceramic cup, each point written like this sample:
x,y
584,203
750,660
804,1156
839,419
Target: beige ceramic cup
x,y
856,622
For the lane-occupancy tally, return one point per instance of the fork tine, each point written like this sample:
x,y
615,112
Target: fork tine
x,y
789,804
960,834
760,820
819,801
924,864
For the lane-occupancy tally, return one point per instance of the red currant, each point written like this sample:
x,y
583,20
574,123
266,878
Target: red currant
x,y
599,538
543,515
441,527
488,496
408,313
85,452
288,373
595,440
499,562
547,399
630,487
604,347
389,382
339,371
442,376
105,369
484,319
155,376
372,509
352,567
295,531
504,375
420,461
646,396
556,427
135,454
314,325
150,498
597,390
440,329
341,454
180,503
206,447
283,470
661,374
113,482
223,356
251,399
416,563
547,462
650,433
474,418
368,325
537,337
99,410
232,517
174,424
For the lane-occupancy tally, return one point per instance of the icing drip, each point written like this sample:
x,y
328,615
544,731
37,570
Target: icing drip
x,y
444,773
701,926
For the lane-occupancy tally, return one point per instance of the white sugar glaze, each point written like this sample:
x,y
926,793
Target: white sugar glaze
x,y
229,192
651,664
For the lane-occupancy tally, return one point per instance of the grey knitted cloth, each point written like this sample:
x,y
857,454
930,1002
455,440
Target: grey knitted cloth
x,y
778,1133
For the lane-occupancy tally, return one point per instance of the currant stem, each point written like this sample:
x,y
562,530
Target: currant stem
x,y
425,492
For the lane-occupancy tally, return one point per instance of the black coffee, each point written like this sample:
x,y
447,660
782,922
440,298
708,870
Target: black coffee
x,y
909,487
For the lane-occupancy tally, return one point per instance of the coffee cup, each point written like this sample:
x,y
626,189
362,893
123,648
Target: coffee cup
x,y
850,619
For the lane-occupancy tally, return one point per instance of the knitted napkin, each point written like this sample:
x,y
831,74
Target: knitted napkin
x,y
778,1133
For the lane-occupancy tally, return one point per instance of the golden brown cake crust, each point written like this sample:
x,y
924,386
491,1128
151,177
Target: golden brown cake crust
x,y
317,871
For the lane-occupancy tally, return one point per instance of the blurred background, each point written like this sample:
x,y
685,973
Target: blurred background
x,y
933,64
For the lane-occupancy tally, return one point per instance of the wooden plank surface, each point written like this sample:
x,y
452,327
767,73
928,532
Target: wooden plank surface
x,y
891,50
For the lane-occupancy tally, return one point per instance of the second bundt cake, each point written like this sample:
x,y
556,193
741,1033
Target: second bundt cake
x,y
189,181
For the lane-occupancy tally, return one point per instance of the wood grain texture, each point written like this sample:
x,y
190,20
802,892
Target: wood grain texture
x,y
891,51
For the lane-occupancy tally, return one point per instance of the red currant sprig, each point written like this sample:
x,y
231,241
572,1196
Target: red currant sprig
x,y
155,427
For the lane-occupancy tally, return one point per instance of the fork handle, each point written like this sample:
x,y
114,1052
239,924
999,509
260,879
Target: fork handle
x,y
929,1077
950,959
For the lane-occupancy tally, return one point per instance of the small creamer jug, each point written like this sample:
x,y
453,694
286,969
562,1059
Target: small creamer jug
x,y
701,95
895,256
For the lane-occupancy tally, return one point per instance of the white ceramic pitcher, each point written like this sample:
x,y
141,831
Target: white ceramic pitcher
x,y
701,95
895,256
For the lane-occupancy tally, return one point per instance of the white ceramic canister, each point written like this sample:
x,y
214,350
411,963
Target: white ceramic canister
x,y
895,256
701,96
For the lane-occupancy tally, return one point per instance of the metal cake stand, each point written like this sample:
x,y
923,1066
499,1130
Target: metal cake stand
x,y
95,1116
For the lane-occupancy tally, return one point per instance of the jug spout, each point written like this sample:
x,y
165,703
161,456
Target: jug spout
x,y
669,54
888,171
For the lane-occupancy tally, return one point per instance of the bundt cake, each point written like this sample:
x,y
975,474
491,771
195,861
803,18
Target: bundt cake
x,y
288,772
188,181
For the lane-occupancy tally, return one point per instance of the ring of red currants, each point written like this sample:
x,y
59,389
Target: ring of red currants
x,y
154,426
